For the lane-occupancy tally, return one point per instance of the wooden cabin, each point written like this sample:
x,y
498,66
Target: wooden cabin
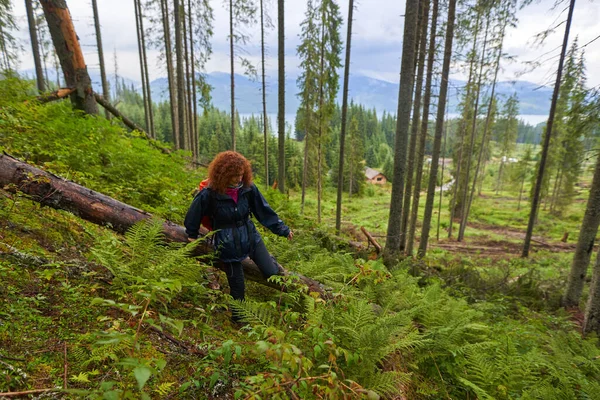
x,y
375,177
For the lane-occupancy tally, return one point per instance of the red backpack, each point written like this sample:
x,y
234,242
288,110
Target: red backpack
x,y
206,219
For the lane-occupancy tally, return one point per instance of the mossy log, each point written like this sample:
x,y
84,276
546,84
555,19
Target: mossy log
x,y
53,191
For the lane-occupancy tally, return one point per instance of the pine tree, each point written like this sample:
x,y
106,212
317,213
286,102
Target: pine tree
x,y
308,83
541,170
392,248
105,91
281,160
414,151
242,13
35,46
141,36
508,139
338,212
8,42
330,49
469,152
439,127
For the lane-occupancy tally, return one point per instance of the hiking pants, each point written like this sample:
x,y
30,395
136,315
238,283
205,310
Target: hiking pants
x,y
235,272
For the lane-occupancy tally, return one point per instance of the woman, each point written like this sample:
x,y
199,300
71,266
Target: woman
x,y
228,201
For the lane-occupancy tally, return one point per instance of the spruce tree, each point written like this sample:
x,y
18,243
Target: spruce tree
x,y
439,127
393,242
35,46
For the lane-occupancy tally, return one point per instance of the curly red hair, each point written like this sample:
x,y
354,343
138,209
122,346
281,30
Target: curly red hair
x,y
225,166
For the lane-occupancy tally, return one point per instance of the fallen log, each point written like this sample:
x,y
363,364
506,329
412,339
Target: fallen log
x,y
371,240
53,191
56,95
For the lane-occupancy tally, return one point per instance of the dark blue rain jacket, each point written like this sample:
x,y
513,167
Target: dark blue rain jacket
x,y
236,234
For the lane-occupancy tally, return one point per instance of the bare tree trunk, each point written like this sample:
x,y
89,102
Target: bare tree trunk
x,y
521,192
422,135
281,94
194,108
453,203
183,135
188,82
232,62
591,321
412,150
35,47
140,34
305,162
340,188
439,127
487,123
465,195
320,137
105,91
103,210
442,155
148,91
170,75
540,176
392,247
585,244
68,49
264,93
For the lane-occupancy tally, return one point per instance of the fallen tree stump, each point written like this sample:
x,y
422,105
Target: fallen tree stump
x,y
61,194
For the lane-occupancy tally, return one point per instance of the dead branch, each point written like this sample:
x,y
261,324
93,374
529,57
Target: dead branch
x,y
371,239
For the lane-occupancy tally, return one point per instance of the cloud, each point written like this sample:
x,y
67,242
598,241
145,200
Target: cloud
x,y
377,38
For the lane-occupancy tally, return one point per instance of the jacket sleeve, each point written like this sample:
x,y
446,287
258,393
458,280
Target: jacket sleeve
x,y
197,210
266,215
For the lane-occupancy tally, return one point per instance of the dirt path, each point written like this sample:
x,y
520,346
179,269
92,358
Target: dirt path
x,y
485,246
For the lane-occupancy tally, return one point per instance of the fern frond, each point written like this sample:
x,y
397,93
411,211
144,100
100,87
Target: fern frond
x,y
256,313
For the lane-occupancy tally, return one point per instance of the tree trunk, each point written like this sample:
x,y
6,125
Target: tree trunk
x,y
305,162
264,93
392,247
140,34
422,135
585,244
68,49
194,99
487,121
454,204
439,126
232,66
442,155
183,141
170,75
105,91
188,81
281,94
148,91
340,188
546,145
321,101
35,47
591,321
465,195
97,208
412,150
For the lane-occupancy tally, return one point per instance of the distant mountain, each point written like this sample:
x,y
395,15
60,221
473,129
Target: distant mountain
x,y
370,92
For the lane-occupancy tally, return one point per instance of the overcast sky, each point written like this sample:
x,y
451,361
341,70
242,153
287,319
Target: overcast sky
x,y
376,46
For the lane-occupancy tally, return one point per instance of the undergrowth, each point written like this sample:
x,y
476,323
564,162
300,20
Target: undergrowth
x,y
93,315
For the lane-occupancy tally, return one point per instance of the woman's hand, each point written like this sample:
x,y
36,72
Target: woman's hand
x,y
290,236
190,240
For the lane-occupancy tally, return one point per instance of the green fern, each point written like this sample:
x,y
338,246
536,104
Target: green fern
x,y
256,313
